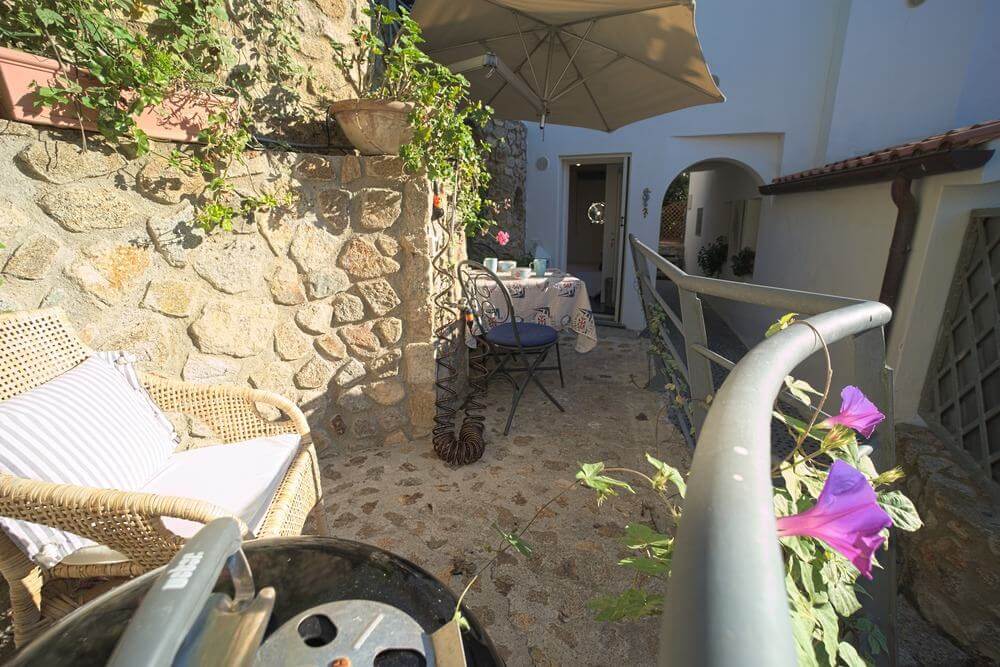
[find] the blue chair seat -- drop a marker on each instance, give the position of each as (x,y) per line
(532,335)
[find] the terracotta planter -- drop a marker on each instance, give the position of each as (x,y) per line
(374,127)
(179,118)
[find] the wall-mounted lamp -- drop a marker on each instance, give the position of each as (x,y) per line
(646,193)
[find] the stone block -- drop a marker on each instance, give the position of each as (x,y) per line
(347,308)
(419,362)
(231,264)
(204,369)
(61,162)
(331,347)
(277,230)
(166,184)
(350,373)
(172,297)
(284,282)
(354,400)
(389,330)
(360,340)
(387,392)
(362,259)
(313,374)
(272,376)
(175,235)
(82,207)
(420,407)
(312,249)
(106,271)
(236,328)
(314,168)
(385,166)
(289,341)
(378,208)
(350,169)
(33,259)
(385,366)
(333,207)
(379,295)
(314,318)
(148,336)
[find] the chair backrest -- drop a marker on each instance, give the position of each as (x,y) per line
(487,298)
(36,346)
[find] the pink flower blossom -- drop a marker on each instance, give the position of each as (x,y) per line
(856,412)
(846,517)
(503,238)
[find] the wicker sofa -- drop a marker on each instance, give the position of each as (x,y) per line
(38,346)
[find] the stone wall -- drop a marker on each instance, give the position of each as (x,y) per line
(951,566)
(507,164)
(326,301)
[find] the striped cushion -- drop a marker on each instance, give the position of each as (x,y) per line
(92,426)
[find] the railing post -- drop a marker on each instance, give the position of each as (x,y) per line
(874,378)
(699,368)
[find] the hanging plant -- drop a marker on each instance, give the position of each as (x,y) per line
(123,66)
(439,112)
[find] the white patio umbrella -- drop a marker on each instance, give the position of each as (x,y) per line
(600,64)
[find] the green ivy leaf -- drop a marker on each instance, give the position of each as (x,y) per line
(783,323)
(515,541)
(629,605)
(591,477)
(650,566)
(666,473)
(641,536)
(901,510)
(849,655)
(801,389)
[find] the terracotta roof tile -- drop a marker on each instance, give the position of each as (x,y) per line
(963,137)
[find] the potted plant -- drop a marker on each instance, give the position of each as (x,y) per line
(742,263)
(712,257)
(409,105)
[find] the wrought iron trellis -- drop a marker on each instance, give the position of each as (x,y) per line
(468,446)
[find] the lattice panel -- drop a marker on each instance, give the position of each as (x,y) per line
(673,218)
(963,391)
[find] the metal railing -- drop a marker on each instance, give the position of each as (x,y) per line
(726,602)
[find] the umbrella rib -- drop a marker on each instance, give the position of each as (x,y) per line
(569,62)
(590,93)
(433,52)
(527,56)
(517,70)
(579,82)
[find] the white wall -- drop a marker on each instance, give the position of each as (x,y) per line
(769,121)
(910,72)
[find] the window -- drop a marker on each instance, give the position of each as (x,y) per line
(699,217)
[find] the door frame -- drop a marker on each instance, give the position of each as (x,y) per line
(567,161)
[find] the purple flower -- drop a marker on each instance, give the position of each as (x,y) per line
(856,412)
(846,517)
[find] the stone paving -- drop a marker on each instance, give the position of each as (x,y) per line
(406,500)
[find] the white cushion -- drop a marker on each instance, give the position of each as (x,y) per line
(91,426)
(239,477)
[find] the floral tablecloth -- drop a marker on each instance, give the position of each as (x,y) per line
(559,300)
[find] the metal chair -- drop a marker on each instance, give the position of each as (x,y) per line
(517,346)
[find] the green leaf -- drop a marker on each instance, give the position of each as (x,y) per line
(629,605)
(590,475)
(802,633)
(901,510)
(801,389)
(849,655)
(803,547)
(48,17)
(515,541)
(783,323)
(667,473)
(830,628)
(653,567)
(641,536)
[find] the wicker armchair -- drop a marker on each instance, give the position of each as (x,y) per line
(37,346)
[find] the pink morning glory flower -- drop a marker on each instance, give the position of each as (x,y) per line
(856,412)
(503,238)
(846,517)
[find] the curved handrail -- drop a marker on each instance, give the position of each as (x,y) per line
(726,601)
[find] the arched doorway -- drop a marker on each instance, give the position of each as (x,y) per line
(709,219)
